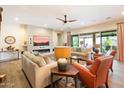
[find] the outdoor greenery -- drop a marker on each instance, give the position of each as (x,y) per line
(108,40)
(75,41)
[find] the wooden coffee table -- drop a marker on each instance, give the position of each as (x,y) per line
(71,71)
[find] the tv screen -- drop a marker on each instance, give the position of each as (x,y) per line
(40,40)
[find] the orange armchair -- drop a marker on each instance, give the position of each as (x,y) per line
(113,53)
(110,52)
(97,74)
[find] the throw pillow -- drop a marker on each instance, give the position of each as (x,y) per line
(26,53)
(39,61)
(30,56)
(47,59)
(36,53)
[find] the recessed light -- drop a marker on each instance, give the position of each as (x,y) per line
(16,19)
(122,13)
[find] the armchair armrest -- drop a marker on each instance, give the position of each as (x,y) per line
(89,62)
(85,75)
(97,55)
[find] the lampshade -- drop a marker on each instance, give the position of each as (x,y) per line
(62,52)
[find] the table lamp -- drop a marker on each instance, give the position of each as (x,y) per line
(62,53)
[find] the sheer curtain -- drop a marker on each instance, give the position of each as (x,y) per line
(120,32)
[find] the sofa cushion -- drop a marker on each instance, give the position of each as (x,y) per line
(47,59)
(26,53)
(39,61)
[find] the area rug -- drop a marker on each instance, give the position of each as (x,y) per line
(15,77)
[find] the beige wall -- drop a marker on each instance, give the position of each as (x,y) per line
(22,34)
(13,29)
(97,28)
(54,38)
(62,39)
(35,30)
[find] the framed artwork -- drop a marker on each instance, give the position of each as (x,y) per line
(10,40)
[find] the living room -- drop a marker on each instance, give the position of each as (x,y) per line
(49,30)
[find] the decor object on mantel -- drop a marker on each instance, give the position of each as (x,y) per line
(10,48)
(62,53)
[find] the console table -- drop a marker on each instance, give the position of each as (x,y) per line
(9,55)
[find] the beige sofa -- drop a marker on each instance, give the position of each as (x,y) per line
(38,77)
(84,53)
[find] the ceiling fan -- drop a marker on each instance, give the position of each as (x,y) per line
(65,20)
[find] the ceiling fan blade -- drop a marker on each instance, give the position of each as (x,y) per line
(60,19)
(72,20)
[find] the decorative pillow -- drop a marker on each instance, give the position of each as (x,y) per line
(36,53)
(26,53)
(39,61)
(30,56)
(47,59)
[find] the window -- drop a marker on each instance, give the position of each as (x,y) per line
(75,41)
(109,40)
(86,41)
(97,37)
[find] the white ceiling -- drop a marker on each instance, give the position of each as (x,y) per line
(45,15)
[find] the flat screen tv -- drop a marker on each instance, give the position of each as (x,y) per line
(40,40)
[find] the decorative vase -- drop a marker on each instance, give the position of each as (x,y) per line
(62,64)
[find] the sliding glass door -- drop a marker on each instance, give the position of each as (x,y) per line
(105,40)
(74,41)
(86,41)
(108,41)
